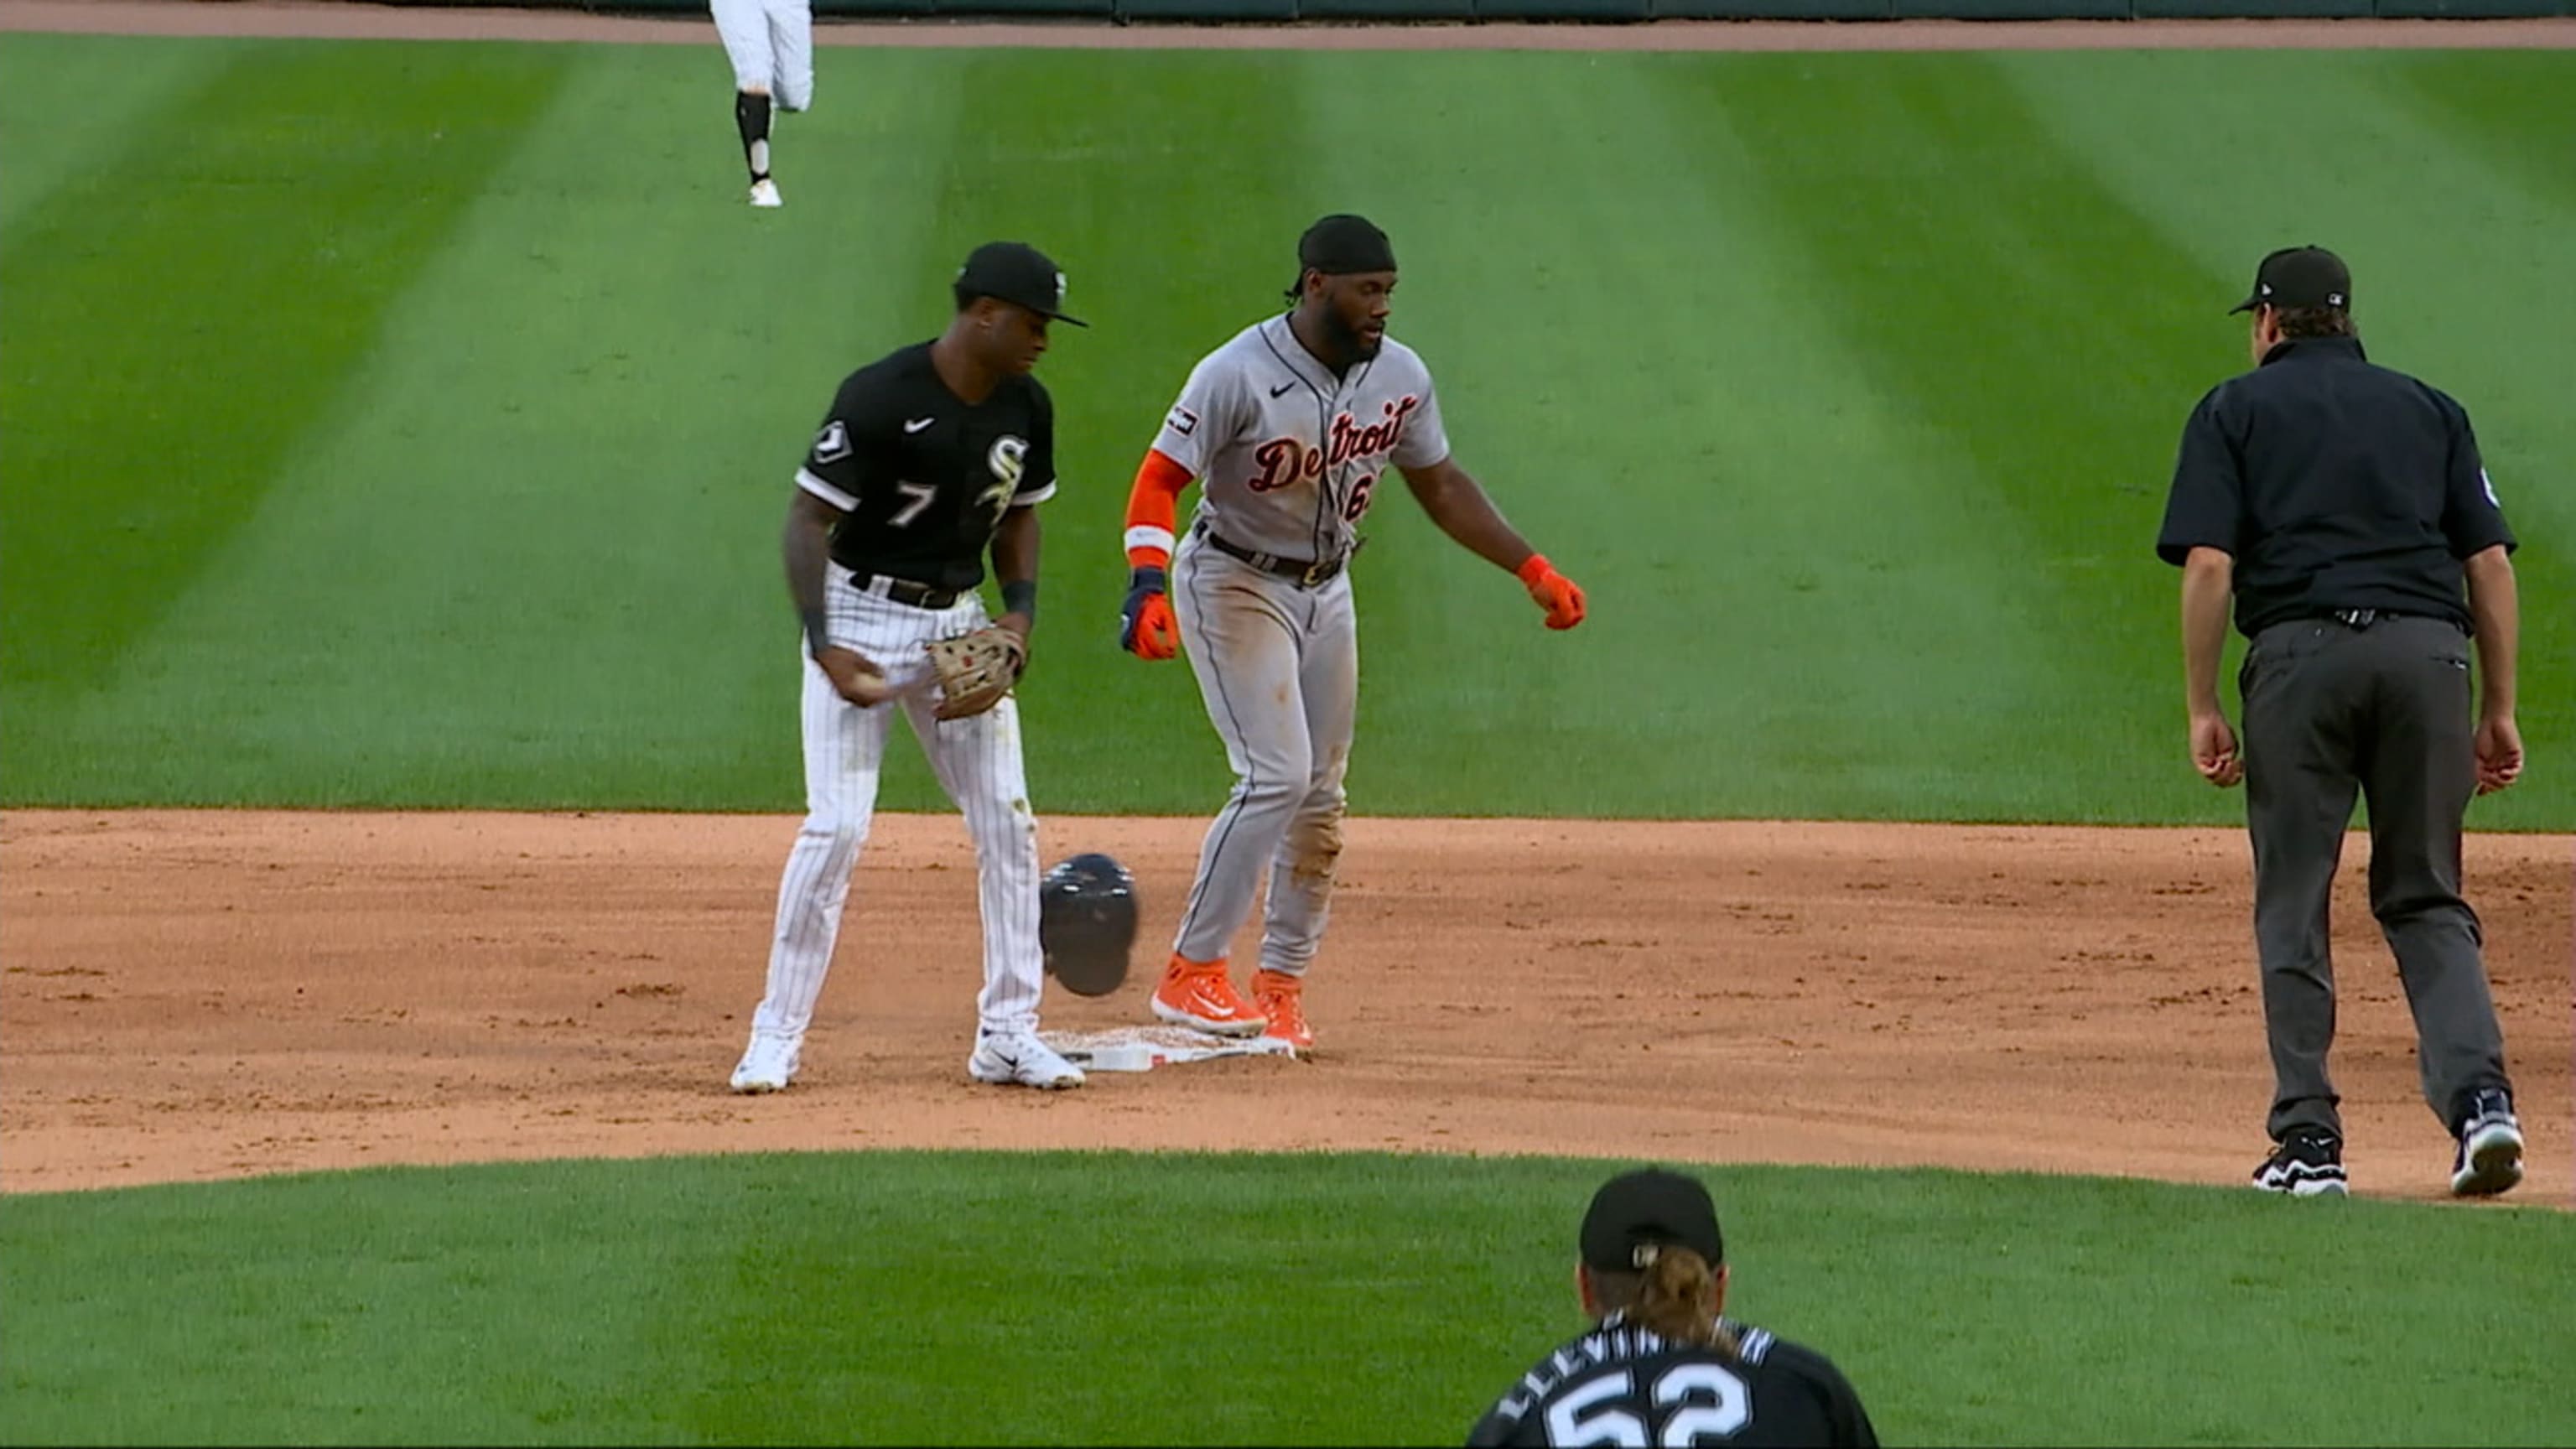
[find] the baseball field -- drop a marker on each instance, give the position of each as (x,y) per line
(400,737)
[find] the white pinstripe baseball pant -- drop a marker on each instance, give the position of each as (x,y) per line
(977,762)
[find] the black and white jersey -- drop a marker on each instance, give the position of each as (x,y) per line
(1620,1384)
(922,479)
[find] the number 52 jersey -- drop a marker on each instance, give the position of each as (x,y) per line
(1620,1384)
(1288,455)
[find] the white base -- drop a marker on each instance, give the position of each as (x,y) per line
(1143,1048)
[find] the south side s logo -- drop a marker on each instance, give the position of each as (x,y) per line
(1009,461)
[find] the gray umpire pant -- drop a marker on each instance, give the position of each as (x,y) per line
(2382,709)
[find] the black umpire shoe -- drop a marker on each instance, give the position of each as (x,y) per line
(2307,1164)
(2490,1155)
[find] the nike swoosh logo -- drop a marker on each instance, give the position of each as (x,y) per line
(918,424)
(1282,389)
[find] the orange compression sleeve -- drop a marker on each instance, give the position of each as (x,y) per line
(1152,507)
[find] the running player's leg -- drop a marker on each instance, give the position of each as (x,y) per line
(979,763)
(1301,877)
(744,27)
(791,40)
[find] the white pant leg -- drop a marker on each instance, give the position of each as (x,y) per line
(791,42)
(844,751)
(979,763)
(844,756)
(743,25)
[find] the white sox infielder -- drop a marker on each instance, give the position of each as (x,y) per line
(771,45)
(928,456)
(1291,426)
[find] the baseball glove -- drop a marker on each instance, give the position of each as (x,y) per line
(976,670)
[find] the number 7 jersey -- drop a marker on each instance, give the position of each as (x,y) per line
(922,478)
(1288,455)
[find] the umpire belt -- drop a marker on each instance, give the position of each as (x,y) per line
(2359,619)
(905,591)
(1302,572)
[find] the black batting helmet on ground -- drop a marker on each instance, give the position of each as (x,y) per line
(1087,923)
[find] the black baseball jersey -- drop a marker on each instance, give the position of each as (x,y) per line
(2334,484)
(1620,1384)
(922,479)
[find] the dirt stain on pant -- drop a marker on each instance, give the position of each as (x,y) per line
(1315,848)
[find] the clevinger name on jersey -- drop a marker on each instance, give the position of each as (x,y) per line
(1289,455)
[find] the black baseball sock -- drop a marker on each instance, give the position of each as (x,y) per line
(751,117)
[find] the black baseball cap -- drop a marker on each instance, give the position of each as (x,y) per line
(1019,274)
(1649,1208)
(2299,277)
(1343,243)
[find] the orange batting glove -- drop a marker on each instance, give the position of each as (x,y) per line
(1146,627)
(1553,592)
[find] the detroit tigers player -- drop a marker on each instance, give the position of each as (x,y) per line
(928,456)
(1290,427)
(771,44)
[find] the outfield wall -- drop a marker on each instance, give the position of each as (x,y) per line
(1122,11)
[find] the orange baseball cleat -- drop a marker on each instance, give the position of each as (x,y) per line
(1199,994)
(1281,997)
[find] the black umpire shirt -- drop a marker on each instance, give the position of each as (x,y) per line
(921,478)
(2335,484)
(1620,1384)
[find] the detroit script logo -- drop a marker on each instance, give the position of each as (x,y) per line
(1287,461)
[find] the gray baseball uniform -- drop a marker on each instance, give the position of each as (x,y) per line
(1289,457)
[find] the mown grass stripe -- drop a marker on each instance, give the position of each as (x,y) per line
(2439,217)
(1241,1298)
(179,317)
(70,104)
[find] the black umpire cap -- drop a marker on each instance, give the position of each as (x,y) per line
(1637,1212)
(2299,277)
(1019,274)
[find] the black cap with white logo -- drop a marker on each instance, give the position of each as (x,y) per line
(1638,1213)
(2299,277)
(1019,274)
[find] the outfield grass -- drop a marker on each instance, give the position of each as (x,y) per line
(408,424)
(1101,1298)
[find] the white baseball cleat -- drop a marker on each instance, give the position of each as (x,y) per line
(764,192)
(1019,1059)
(768,1065)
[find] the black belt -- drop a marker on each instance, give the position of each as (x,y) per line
(905,591)
(1306,573)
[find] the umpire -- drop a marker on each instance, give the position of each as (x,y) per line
(2344,506)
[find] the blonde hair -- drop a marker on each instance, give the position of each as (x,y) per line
(1668,1296)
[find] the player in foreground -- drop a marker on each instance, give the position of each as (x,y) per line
(1661,1365)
